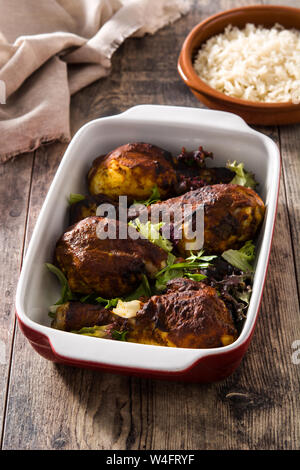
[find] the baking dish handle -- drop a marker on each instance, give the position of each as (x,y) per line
(173,114)
(70,347)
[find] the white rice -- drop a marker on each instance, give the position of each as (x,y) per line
(254,63)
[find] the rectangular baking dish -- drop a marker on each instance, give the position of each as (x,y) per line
(228,137)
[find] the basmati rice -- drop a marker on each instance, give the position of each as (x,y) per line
(254,63)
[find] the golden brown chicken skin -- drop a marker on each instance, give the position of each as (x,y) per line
(232,214)
(189,315)
(108,267)
(132,170)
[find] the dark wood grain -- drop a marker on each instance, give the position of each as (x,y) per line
(58,407)
(15,181)
(290,144)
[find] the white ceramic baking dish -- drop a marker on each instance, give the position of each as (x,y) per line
(228,137)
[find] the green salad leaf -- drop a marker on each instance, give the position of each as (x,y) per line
(244,295)
(119,335)
(96,299)
(143,290)
(164,278)
(155,197)
(151,232)
(185,265)
(108,302)
(52,311)
(195,277)
(73,198)
(166,275)
(101,332)
(66,293)
(182,269)
(242,259)
(96,331)
(242,177)
(199,257)
(88,299)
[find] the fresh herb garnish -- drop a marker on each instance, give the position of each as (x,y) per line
(242,259)
(199,257)
(184,265)
(155,197)
(73,198)
(194,261)
(165,277)
(174,270)
(242,177)
(66,293)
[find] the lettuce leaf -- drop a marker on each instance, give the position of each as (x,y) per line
(96,331)
(165,277)
(66,293)
(96,299)
(155,197)
(108,302)
(119,335)
(195,277)
(101,332)
(175,270)
(242,259)
(242,177)
(144,290)
(151,232)
(73,198)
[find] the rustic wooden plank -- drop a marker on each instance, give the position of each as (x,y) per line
(15,180)
(57,407)
(290,142)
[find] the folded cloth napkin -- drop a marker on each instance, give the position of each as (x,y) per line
(50,49)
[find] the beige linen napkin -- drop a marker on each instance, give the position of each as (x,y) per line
(50,49)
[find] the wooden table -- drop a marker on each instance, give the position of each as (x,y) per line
(47,406)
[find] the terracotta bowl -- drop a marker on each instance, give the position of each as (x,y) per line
(252,111)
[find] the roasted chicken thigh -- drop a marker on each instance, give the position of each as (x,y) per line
(189,315)
(232,215)
(75,315)
(110,267)
(132,170)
